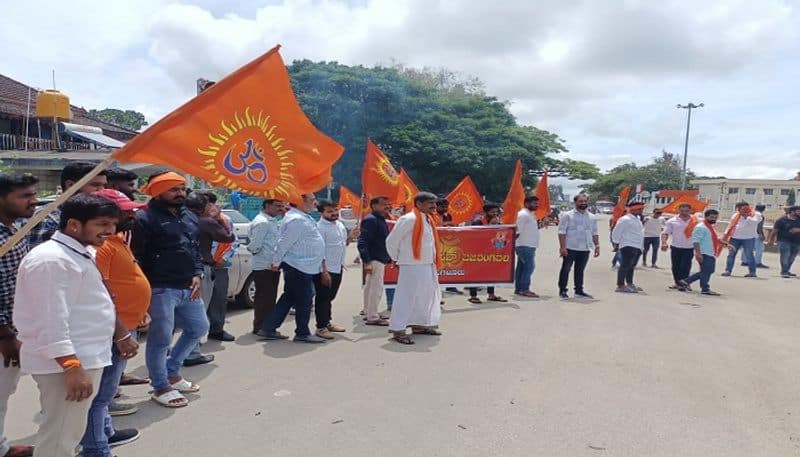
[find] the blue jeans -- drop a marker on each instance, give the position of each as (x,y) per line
(98,427)
(704,275)
(171,308)
(616,259)
(389,298)
(747,246)
(758,255)
(298,293)
(788,252)
(526,263)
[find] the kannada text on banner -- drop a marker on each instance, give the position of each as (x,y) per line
(472,255)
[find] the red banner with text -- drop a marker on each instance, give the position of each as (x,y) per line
(472,256)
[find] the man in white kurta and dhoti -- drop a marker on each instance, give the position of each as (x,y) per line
(412,244)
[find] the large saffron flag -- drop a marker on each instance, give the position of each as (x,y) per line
(543,193)
(246,132)
(619,208)
(515,199)
(348,198)
(378,177)
(465,201)
(698,206)
(406,190)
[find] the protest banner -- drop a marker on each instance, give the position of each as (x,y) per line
(472,256)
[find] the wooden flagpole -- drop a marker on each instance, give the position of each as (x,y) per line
(41,214)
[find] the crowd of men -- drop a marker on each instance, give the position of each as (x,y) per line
(103,267)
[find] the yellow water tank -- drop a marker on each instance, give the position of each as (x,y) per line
(51,103)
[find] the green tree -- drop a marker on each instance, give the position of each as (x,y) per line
(663,173)
(130,119)
(438,125)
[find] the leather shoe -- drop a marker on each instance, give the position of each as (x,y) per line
(205,358)
(221,336)
(336,328)
(20,451)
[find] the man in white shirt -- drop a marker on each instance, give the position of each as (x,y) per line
(264,234)
(577,236)
(741,234)
(66,321)
(527,242)
(681,247)
(653,226)
(412,244)
(628,240)
(326,284)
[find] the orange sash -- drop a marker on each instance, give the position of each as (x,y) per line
(223,248)
(714,238)
(416,237)
(731,227)
(690,226)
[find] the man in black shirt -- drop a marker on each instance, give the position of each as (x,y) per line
(374,257)
(787,231)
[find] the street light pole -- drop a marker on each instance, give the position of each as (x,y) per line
(687,107)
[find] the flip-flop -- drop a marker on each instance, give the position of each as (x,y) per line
(474,300)
(425,331)
(379,323)
(167,397)
(403,339)
(497,299)
(130,380)
(183,386)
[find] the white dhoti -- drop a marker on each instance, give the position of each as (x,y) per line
(417,298)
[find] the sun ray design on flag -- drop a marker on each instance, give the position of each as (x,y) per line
(461,203)
(386,171)
(249,146)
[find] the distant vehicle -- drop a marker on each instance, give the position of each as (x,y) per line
(604,207)
(241,285)
(348,218)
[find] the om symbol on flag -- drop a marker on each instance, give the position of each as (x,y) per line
(249,162)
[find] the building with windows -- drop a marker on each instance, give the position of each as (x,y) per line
(725,193)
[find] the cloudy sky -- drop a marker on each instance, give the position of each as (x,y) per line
(604,75)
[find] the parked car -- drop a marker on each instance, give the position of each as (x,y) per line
(241,286)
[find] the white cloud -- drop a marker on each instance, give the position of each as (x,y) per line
(604,75)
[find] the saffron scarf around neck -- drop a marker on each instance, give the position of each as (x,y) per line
(416,237)
(690,226)
(714,238)
(732,226)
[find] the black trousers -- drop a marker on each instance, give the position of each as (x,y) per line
(323,301)
(473,291)
(627,264)
(266,294)
(218,305)
(579,259)
(681,262)
(651,242)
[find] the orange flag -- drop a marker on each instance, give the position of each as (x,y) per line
(348,198)
(619,208)
(516,196)
(378,177)
(465,201)
(698,206)
(246,132)
(543,193)
(406,190)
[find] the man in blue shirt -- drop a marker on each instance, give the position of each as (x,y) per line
(706,247)
(299,253)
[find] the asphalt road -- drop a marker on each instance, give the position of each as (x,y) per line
(657,374)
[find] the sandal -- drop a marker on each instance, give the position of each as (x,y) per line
(403,339)
(183,386)
(168,399)
(497,299)
(131,380)
(474,300)
(379,322)
(425,331)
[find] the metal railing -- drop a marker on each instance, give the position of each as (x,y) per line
(9,142)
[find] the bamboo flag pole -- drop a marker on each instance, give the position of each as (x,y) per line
(41,214)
